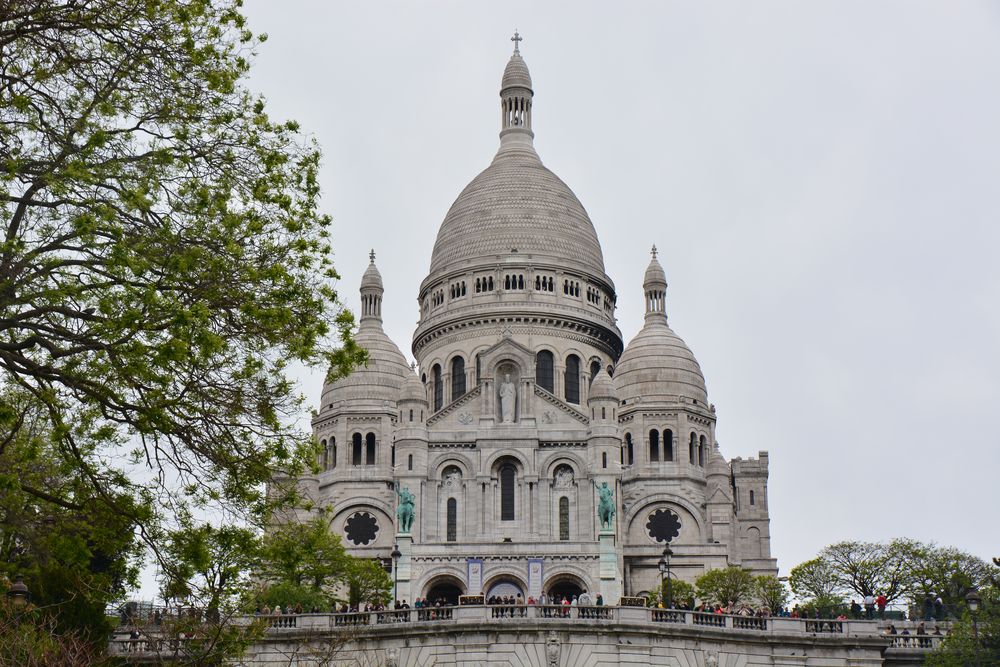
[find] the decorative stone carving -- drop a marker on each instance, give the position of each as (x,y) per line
(552,650)
(465,418)
(711,659)
(548,417)
(391,658)
(563,478)
(452,478)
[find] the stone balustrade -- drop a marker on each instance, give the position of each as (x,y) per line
(475,617)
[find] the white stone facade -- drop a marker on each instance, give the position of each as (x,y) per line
(517,304)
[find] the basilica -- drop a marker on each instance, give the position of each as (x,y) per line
(529,449)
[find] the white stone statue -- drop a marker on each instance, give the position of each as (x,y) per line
(508,395)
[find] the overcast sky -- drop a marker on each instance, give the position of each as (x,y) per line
(821,178)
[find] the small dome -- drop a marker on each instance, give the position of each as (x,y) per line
(516,74)
(371,279)
(413,390)
(659,367)
(376,383)
(602,388)
(655,276)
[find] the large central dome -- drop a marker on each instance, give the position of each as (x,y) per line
(516,205)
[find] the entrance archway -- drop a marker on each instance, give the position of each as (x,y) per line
(444,589)
(505,588)
(564,586)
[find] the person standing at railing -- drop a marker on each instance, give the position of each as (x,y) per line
(870,606)
(881,601)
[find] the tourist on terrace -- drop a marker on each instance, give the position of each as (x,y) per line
(855,609)
(870,606)
(938,609)
(881,601)
(891,630)
(600,601)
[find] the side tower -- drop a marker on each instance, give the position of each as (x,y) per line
(356,426)
(669,485)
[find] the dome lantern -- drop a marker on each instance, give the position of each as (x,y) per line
(515,98)
(655,286)
(371,292)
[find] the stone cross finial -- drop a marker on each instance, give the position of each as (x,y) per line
(516,38)
(653,251)
(371,256)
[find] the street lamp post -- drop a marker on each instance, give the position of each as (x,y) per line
(972,599)
(395,573)
(667,553)
(662,564)
(18,593)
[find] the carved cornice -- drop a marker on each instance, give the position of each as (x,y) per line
(572,412)
(545,445)
(454,405)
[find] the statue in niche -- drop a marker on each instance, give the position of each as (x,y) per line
(508,400)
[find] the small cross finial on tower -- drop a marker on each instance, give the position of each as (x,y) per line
(371,256)
(516,39)
(653,251)
(413,366)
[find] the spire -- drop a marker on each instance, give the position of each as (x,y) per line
(654,284)
(371,293)
(515,98)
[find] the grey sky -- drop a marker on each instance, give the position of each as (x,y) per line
(821,179)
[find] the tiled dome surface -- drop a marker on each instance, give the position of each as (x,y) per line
(379,381)
(517,203)
(658,366)
(516,73)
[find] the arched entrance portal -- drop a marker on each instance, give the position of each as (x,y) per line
(504,588)
(444,590)
(564,587)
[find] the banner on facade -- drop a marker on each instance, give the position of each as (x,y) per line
(535,577)
(474,576)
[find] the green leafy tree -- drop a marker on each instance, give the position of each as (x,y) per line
(816,581)
(964,646)
(306,554)
(725,585)
(873,568)
(770,592)
(162,259)
(949,573)
(681,593)
(210,566)
(367,581)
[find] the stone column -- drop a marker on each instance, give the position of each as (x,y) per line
(405,543)
(611,579)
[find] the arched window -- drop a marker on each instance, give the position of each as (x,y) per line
(409,461)
(692,455)
(356,450)
(370,449)
(654,445)
(438,387)
(457,378)
(629,455)
(701,453)
(544,371)
(595,368)
(572,379)
(668,445)
(333,452)
(564,518)
(452,520)
(508,475)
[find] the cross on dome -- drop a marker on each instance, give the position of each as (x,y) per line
(371,256)
(516,38)
(653,251)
